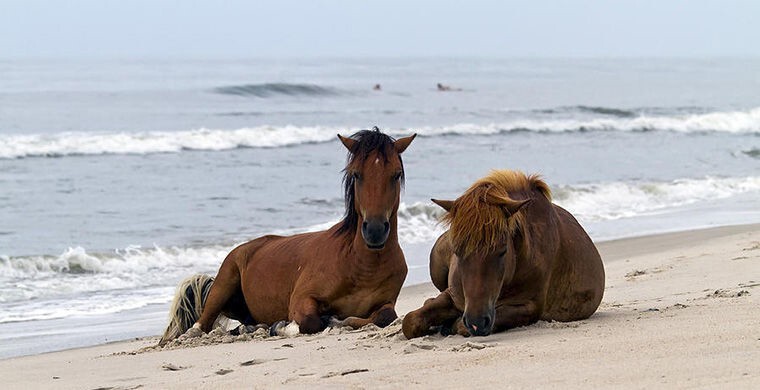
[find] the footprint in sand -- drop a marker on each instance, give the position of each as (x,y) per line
(721,293)
(344,373)
(417,347)
(637,272)
(470,346)
(633,274)
(253,362)
(173,367)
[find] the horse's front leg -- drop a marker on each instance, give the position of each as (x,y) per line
(511,314)
(381,317)
(305,312)
(436,311)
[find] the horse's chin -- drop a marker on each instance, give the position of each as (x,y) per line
(376,247)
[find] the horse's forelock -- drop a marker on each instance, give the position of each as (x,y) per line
(476,223)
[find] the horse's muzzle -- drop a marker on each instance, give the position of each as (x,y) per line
(375,233)
(479,326)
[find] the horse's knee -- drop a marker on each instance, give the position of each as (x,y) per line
(414,325)
(310,324)
(384,317)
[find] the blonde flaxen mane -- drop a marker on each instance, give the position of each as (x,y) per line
(478,221)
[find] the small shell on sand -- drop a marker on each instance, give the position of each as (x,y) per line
(290,330)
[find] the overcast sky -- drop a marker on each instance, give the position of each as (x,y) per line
(392,28)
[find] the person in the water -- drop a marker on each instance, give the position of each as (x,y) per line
(444,88)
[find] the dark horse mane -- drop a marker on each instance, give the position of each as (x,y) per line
(368,141)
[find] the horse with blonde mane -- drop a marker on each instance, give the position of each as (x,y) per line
(510,258)
(353,271)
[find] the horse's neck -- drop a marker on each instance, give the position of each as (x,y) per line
(521,241)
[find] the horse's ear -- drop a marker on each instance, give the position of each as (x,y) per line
(510,205)
(513,206)
(402,143)
(445,204)
(349,143)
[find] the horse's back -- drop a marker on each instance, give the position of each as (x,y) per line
(577,279)
(244,253)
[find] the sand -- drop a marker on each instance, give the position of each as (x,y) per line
(680,310)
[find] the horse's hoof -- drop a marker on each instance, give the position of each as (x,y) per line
(325,320)
(245,329)
(276,327)
(331,322)
(192,333)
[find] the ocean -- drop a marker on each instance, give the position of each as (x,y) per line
(118,178)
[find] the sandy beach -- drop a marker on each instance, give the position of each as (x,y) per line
(680,310)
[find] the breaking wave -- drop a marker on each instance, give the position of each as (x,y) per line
(79,143)
(616,112)
(724,122)
(77,282)
(754,152)
(615,200)
(274,89)
(73,143)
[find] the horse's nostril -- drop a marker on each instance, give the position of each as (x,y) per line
(486,322)
(364,225)
(387,226)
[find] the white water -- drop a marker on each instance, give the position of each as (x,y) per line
(615,200)
(81,283)
(146,142)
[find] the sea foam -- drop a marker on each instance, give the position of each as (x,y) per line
(615,200)
(80,143)
(74,143)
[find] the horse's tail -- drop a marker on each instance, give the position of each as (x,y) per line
(187,306)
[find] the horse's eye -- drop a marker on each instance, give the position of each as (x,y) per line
(502,253)
(397,176)
(357,176)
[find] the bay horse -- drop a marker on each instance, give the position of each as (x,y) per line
(353,271)
(510,258)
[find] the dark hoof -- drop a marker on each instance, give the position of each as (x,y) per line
(331,322)
(447,331)
(277,326)
(325,320)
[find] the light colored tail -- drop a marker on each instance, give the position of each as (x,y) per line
(187,306)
